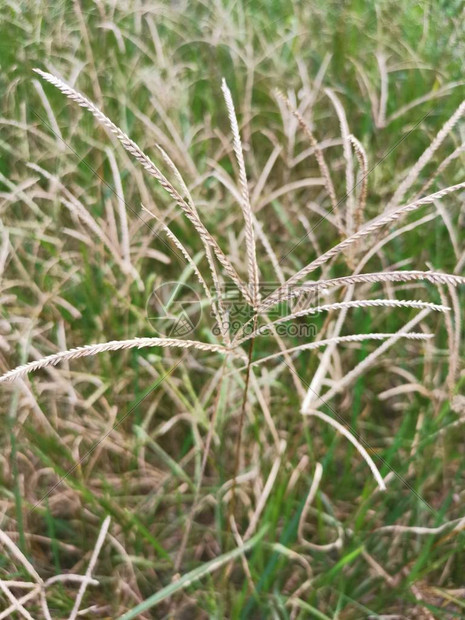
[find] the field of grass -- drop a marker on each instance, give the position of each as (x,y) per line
(288,442)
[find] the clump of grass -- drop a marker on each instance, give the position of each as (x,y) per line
(282,292)
(251,289)
(221,468)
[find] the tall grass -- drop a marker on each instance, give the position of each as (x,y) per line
(245,471)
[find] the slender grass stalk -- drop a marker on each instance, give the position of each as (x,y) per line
(206,453)
(365,231)
(152,169)
(113,345)
(248,371)
(245,202)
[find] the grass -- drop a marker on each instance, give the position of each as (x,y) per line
(209,476)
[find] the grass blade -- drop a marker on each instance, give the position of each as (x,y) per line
(192,576)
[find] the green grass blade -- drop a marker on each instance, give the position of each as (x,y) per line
(189,578)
